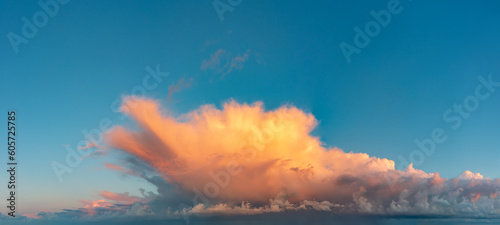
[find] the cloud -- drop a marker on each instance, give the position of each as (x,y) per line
(214,62)
(242,155)
(92,149)
(112,206)
(178,87)
(114,167)
(245,160)
(252,154)
(237,62)
(222,62)
(32,215)
(124,198)
(468,175)
(90,145)
(91,207)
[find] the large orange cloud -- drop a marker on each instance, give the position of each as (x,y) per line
(243,153)
(251,154)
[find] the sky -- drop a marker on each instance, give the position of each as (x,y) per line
(170,87)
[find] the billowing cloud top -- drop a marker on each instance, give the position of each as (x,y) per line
(249,154)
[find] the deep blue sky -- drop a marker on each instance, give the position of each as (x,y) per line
(395,90)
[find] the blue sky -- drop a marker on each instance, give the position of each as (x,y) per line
(395,90)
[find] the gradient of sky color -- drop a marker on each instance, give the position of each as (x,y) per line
(90,53)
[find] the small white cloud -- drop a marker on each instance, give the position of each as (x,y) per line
(468,175)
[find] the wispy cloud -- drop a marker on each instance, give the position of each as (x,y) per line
(237,62)
(124,198)
(181,84)
(114,167)
(223,62)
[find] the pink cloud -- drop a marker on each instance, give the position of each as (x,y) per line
(91,206)
(468,175)
(125,198)
(31,215)
(114,167)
